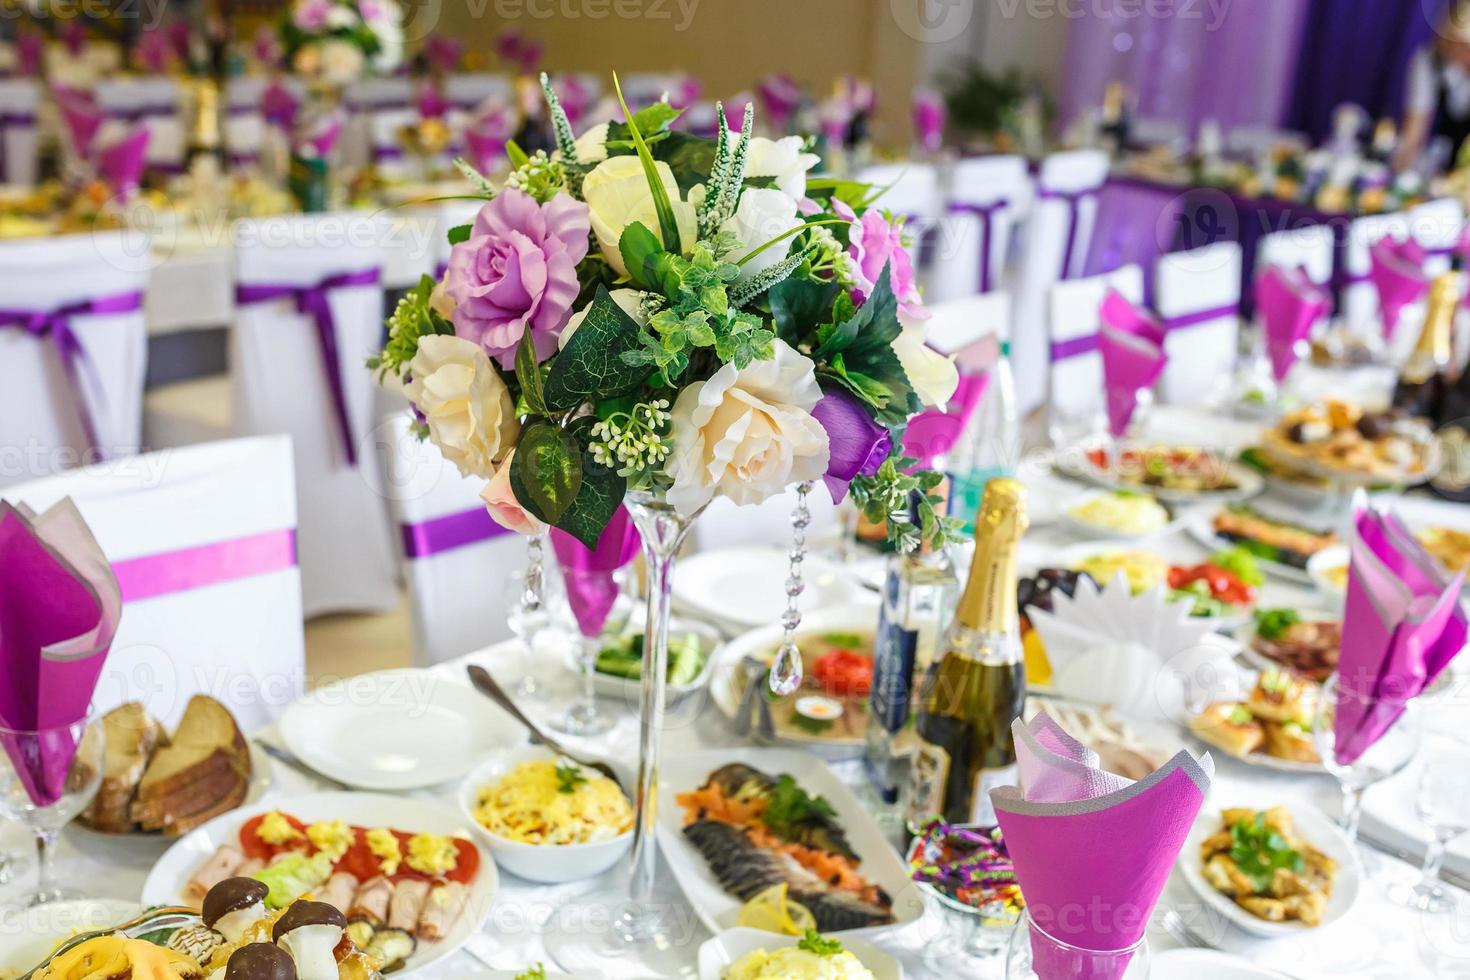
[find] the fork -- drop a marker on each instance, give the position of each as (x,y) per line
(1175,926)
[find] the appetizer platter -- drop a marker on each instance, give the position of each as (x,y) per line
(692,647)
(156,782)
(387,730)
(1222,589)
(404,871)
(32,934)
(731,831)
(1281,547)
(1271,728)
(1271,871)
(750,954)
(1175,474)
(1286,481)
(1340,442)
(547,818)
(1118,514)
(1304,641)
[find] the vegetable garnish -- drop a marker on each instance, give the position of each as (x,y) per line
(1241,563)
(537,972)
(813,942)
(790,807)
(568,778)
(1258,851)
(1271,623)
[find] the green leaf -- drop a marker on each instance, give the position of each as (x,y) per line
(602,491)
(641,249)
(798,305)
(688,156)
(651,120)
(459,233)
(515,154)
(528,373)
(668,226)
(787,234)
(547,473)
(592,366)
(872,327)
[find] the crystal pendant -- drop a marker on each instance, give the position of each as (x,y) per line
(786,668)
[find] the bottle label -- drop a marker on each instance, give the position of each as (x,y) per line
(895,651)
(928,775)
(982,812)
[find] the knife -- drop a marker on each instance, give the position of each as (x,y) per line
(288,759)
(1408,856)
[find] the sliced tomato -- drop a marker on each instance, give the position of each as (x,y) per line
(1224,584)
(254,847)
(844,672)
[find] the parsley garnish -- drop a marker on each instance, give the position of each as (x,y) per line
(790,807)
(1258,851)
(813,942)
(537,972)
(1272,623)
(568,778)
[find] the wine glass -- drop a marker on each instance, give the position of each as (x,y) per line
(47,777)
(1035,954)
(1388,756)
(582,717)
(1443,803)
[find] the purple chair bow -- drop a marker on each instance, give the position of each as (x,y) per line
(315,301)
(1073,201)
(986,213)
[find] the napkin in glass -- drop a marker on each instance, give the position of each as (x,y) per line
(120,163)
(59,611)
(1396,269)
(1401,627)
(1092,850)
(1131,363)
(1290,304)
(929,118)
(1117,312)
(591,586)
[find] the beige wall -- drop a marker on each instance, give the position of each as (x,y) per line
(727,44)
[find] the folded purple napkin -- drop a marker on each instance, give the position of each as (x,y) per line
(1290,305)
(588,572)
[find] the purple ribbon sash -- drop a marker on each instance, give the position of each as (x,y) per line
(985,212)
(56,324)
(204,565)
(440,534)
(315,301)
(1073,200)
(1186,320)
(1062,350)
(133,114)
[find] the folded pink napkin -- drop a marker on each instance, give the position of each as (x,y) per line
(443,52)
(74,35)
(59,610)
(279,105)
(1131,364)
(81,117)
(485,137)
(321,138)
(929,117)
(1290,305)
(1397,272)
(1116,311)
(432,102)
(153,51)
(1401,627)
(780,95)
(30,49)
(1092,850)
(588,572)
(120,163)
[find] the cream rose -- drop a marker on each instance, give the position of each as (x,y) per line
(592,145)
(932,374)
(342,61)
(747,435)
(782,160)
(504,508)
(617,194)
(468,408)
(631,302)
(761,215)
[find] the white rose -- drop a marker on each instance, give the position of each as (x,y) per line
(468,408)
(341,60)
(747,435)
(932,374)
(762,214)
(592,145)
(341,18)
(617,194)
(783,160)
(631,302)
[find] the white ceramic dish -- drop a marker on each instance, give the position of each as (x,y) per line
(1206,964)
(1200,526)
(746,587)
(389,730)
(29,935)
(1323,562)
(717,908)
(166,882)
(717,954)
(546,863)
(1311,826)
(262,775)
(627,691)
(1076,525)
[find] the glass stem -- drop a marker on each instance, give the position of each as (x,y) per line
(1352,809)
(45,866)
(591,646)
(1433,860)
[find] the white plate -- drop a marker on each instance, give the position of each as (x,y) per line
(1074,463)
(166,882)
(262,774)
(627,692)
(389,730)
(717,908)
(1201,527)
(1321,563)
(29,935)
(1206,964)
(1311,826)
(746,587)
(717,954)
(1088,530)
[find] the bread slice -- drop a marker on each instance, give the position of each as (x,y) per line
(204,769)
(132,736)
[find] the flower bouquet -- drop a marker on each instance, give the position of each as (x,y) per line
(650,316)
(336,41)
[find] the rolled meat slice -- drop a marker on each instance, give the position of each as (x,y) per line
(223,864)
(443,906)
(248,869)
(338,891)
(371,901)
(408,902)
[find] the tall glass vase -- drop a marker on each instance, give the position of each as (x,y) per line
(638,929)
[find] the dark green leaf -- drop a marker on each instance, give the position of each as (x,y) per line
(799,304)
(547,474)
(528,373)
(688,156)
(641,249)
(459,233)
(668,226)
(592,366)
(650,120)
(602,491)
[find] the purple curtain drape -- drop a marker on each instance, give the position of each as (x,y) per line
(1358,51)
(1231,61)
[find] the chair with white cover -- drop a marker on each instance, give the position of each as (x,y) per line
(242,128)
(912,193)
(956,327)
(1359,298)
(20,140)
(309,311)
(1077,394)
(458,562)
(986,198)
(1056,239)
(202,543)
(1311,248)
(156,102)
(467,90)
(75,351)
(381,107)
(1197,297)
(1437,226)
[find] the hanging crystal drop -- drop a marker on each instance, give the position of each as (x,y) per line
(786,668)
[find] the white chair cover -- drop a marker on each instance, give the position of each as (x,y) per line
(282,383)
(458,562)
(1437,226)
(956,326)
(91,287)
(1359,298)
(96,60)
(20,140)
(1057,237)
(913,193)
(1076,372)
(157,102)
(1310,248)
(201,541)
(381,107)
(466,90)
(1197,296)
(987,196)
(243,127)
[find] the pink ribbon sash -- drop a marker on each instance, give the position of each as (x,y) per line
(204,565)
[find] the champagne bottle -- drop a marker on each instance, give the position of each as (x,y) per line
(977,686)
(1421,386)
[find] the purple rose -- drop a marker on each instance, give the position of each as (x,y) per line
(874,243)
(858,444)
(516,272)
(311,15)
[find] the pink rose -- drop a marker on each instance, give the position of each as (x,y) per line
(518,271)
(504,508)
(311,15)
(874,242)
